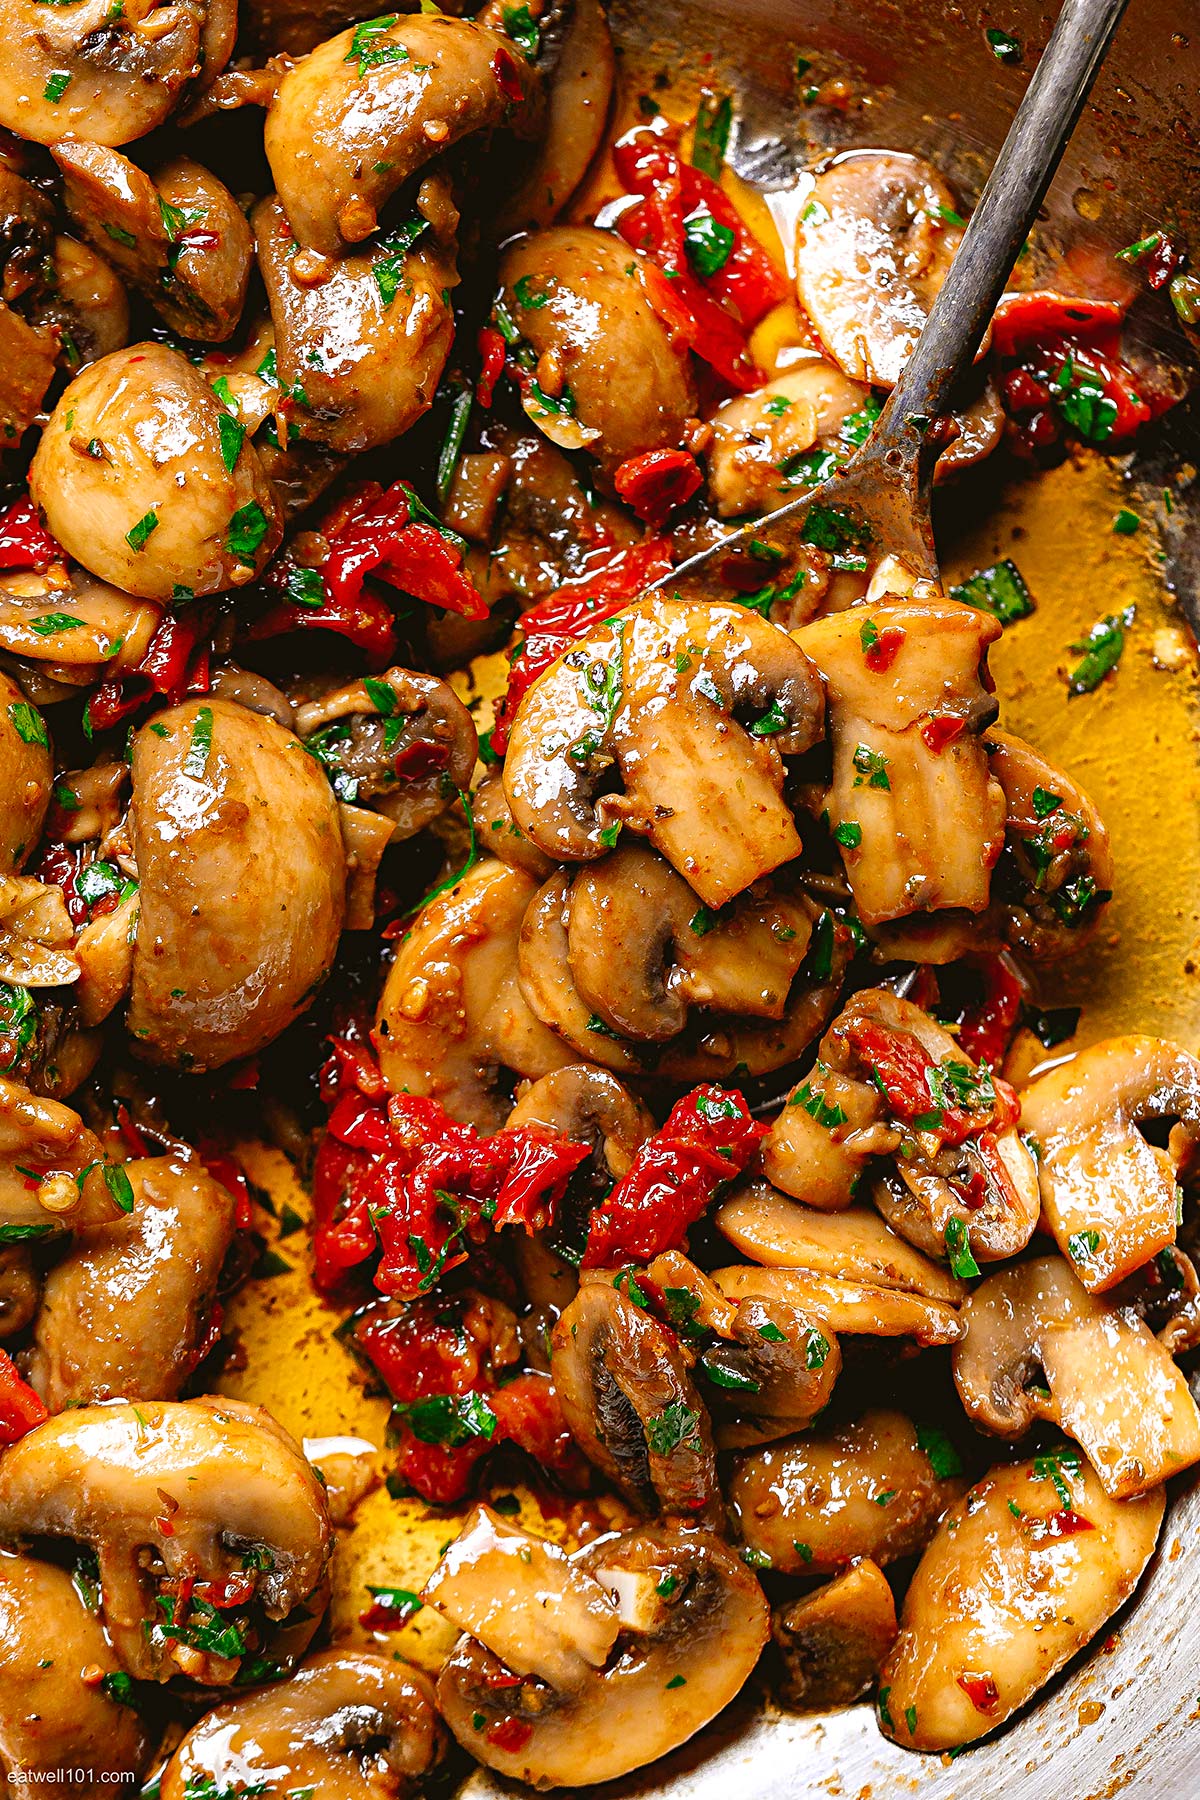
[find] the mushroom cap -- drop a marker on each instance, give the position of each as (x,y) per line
(1003,1597)
(630,1404)
(832,1642)
(242,880)
(221,1474)
(1100,1374)
(347,1723)
(452,1012)
(694,1622)
(1108,1194)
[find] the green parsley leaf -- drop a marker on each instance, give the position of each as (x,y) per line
(872,768)
(305,587)
(999,590)
(28,723)
(196,760)
(56,86)
(675,1425)
(368,51)
(1004,47)
(710,137)
(450,1420)
(388,265)
(1125,523)
(49,624)
(958,1249)
(1083,1245)
(1045,803)
(708,244)
(943,1458)
(247,529)
(137,534)
(848,834)
(1102,649)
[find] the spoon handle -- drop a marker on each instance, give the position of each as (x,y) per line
(1007,209)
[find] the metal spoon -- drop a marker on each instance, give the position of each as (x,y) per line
(881,496)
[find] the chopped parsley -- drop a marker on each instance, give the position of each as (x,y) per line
(710,137)
(388,265)
(1004,47)
(708,243)
(28,723)
(1083,1245)
(872,768)
(816,1106)
(305,587)
(49,624)
(1059,1466)
(1101,649)
(247,529)
(450,1420)
(672,1428)
(943,1458)
(1083,403)
(57,83)
(848,834)
(137,535)
(523,29)
(958,1250)
(196,760)
(367,48)
(999,589)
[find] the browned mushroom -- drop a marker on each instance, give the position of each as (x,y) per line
(693,705)
(1109,1195)
(873,246)
(629,1402)
(833,1642)
(873,1488)
(688,1623)
(1006,1593)
(181,238)
(1055,877)
(577,298)
(913,806)
(849,1308)
(1039,1346)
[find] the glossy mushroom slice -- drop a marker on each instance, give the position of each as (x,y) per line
(1023,1571)
(913,805)
(961,1180)
(52,1167)
(500,832)
(1055,877)
(714,1043)
(26,772)
(403,739)
(1039,1346)
(850,1308)
(27,360)
(833,1642)
(1108,1193)
(576,114)
(366,344)
(689,1622)
(855,1245)
(771,445)
(771,1372)
(125,72)
(873,246)
(87,303)
(125,1310)
(365,110)
(20,1290)
(694,705)
(346,1723)
(452,1013)
(872,1488)
(181,237)
(73,633)
(242,880)
(209,1490)
(139,482)
(629,1402)
(60,1707)
(577,299)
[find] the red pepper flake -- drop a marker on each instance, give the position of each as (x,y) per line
(492,351)
(881,652)
(986,1030)
(507,71)
(510,1734)
(981,1691)
(1066,1522)
(940,729)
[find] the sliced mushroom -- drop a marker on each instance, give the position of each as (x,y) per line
(59,1713)
(822,1140)
(87,304)
(630,1404)
(140,484)
(365,110)
(1023,1571)
(242,872)
(1108,1194)
(774,1370)
(855,1245)
(873,246)
(913,806)
(126,1308)
(832,1643)
(405,756)
(1056,875)
(104,951)
(27,360)
(692,1624)
(20,1291)
(1039,1346)
(125,71)
(181,237)
(452,1013)
(850,1308)
(609,375)
(773,444)
(973,1189)
(714,1045)
(346,1723)
(51,1166)
(500,832)
(694,705)
(35,934)
(642,953)
(587,1105)
(366,345)
(206,1490)
(75,631)
(26,771)
(815,1503)
(576,114)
